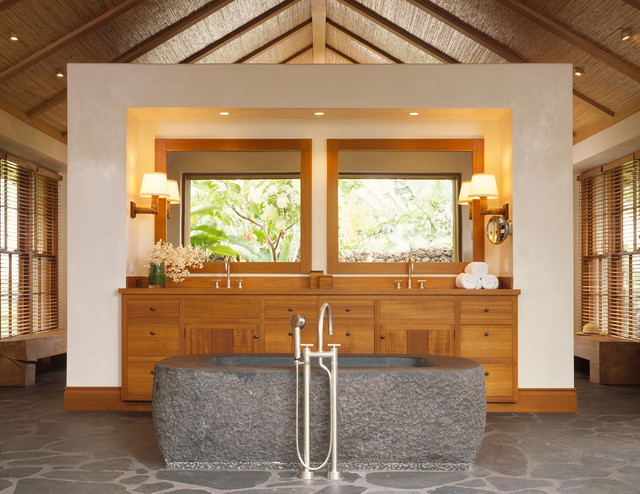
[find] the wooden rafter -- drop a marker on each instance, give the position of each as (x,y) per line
(633,3)
(353,36)
(297,54)
(489,43)
(274,41)
(319,18)
(467,29)
(236,33)
(68,38)
(37,124)
(147,45)
(399,31)
(574,39)
(7,3)
(342,55)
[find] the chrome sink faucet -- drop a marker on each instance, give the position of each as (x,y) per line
(227,268)
(410,263)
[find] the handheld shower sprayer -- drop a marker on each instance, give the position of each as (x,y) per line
(297,323)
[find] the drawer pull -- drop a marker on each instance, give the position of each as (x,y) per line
(486,373)
(153,372)
(486,309)
(152,309)
(255,336)
(290,309)
(382,337)
(348,309)
(486,333)
(290,333)
(348,333)
(152,333)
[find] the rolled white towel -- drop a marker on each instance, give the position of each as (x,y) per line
(479,269)
(489,282)
(467,281)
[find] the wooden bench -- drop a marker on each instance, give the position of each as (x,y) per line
(612,360)
(19,354)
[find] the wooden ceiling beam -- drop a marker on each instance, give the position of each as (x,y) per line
(274,41)
(319,18)
(399,31)
(593,103)
(236,33)
(146,46)
(572,38)
(7,3)
(297,54)
(467,29)
(68,38)
(633,3)
(47,129)
(342,55)
(602,124)
(354,37)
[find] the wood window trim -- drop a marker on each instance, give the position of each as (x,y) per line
(163,146)
(334,146)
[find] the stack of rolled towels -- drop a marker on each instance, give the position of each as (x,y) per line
(476,276)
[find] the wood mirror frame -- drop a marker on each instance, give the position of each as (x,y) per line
(334,146)
(163,146)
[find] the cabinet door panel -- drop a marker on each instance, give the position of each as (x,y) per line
(139,379)
(498,380)
(278,337)
(352,338)
(432,340)
(220,339)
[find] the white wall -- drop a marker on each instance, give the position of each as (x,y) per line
(539,97)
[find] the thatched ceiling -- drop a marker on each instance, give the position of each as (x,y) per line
(585,33)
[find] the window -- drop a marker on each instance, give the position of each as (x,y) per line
(246,198)
(391,199)
(609,247)
(250,218)
(29,206)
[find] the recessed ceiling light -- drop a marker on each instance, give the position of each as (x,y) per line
(60,73)
(578,72)
(413,113)
(319,113)
(224,113)
(625,34)
(14,37)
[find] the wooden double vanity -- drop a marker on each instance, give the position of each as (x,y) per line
(160,323)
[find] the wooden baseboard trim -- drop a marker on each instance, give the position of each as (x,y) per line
(540,401)
(79,398)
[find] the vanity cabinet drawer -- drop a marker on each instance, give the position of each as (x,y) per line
(498,379)
(350,309)
(428,309)
(477,309)
(487,342)
(278,337)
(219,308)
(153,309)
(153,339)
(285,307)
(355,338)
(139,379)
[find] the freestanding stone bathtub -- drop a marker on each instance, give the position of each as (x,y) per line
(394,412)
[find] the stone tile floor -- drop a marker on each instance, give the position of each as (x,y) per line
(46,450)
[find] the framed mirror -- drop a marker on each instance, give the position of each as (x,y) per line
(391,199)
(249,199)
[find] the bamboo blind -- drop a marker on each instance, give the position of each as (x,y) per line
(29,238)
(610,248)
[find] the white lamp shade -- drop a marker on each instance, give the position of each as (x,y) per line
(483,185)
(463,198)
(174,192)
(154,184)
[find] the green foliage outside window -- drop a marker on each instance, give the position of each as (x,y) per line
(256,219)
(395,215)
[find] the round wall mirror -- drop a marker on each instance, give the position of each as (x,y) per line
(498,229)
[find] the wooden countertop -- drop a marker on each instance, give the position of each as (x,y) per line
(316,291)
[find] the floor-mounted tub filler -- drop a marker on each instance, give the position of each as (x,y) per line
(389,412)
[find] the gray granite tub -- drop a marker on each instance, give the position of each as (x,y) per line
(394,412)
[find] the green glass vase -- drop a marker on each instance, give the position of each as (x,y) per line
(157,276)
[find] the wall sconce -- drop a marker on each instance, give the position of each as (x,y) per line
(483,187)
(154,185)
(174,195)
(463,198)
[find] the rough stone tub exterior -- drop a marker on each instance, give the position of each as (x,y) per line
(394,412)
